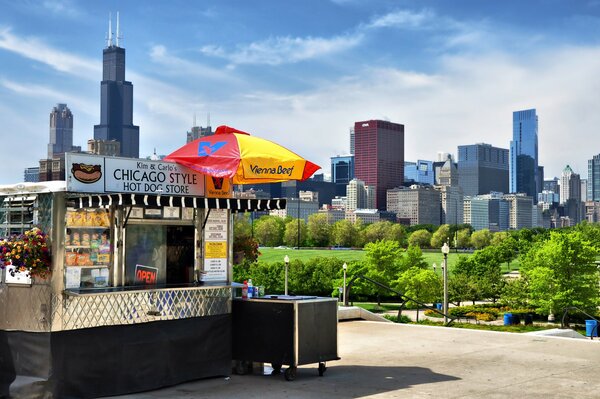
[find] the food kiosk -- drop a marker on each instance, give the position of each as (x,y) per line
(139,294)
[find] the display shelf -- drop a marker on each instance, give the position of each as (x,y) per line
(89,227)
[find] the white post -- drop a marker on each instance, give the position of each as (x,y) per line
(345,267)
(286,259)
(445,250)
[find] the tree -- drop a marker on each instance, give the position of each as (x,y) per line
(422,285)
(441,235)
(481,238)
(343,233)
(463,238)
(396,232)
(420,238)
(268,230)
(514,293)
(561,273)
(290,236)
(319,230)
(462,288)
(506,245)
(413,258)
(383,263)
(484,272)
(377,231)
(242,227)
(245,247)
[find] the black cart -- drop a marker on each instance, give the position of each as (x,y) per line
(285,330)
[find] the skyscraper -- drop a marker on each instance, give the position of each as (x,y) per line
(524,171)
(342,171)
(61,131)
(379,156)
(420,172)
(482,169)
(198,131)
(447,174)
(593,179)
(570,195)
(116,100)
(61,141)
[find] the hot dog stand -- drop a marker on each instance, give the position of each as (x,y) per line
(140,292)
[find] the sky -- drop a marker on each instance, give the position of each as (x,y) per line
(302,72)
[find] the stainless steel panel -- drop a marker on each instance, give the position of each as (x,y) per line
(27,308)
(133,307)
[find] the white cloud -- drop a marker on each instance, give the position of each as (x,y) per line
(62,8)
(179,66)
(284,50)
(469,99)
(52,94)
(404,19)
(37,50)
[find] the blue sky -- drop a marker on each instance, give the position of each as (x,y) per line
(302,72)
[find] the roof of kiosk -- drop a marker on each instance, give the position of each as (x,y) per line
(83,200)
(33,188)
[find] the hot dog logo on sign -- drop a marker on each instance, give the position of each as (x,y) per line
(85,173)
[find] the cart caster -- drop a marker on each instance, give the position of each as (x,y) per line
(290,373)
(276,369)
(241,367)
(322,369)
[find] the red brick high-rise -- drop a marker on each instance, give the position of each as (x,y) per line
(379,156)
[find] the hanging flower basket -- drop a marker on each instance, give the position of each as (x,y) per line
(27,252)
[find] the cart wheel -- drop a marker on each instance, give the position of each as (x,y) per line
(290,373)
(276,368)
(241,367)
(322,369)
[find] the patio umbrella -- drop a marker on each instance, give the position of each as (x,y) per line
(231,153)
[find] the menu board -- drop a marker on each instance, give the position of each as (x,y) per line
(215,245)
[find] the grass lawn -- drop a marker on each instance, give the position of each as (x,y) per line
(270,255)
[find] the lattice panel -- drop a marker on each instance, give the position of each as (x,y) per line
(116,308)
(44,212)
(27,308)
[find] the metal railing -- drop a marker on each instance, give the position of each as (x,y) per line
(565,313)
(404,298)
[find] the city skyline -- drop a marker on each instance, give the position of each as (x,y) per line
(451,73)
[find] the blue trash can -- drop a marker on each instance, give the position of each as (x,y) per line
(438,306)
(508,319)
(591,328)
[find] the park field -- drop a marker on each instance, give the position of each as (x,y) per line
(272,255)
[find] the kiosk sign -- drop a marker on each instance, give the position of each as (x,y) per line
(98,174)
(146,275)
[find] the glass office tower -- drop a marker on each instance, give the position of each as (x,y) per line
(524,170)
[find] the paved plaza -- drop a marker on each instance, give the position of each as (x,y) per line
(385,360)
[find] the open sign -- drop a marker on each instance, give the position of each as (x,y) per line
(146,275)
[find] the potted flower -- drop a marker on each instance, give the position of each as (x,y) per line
(27,253)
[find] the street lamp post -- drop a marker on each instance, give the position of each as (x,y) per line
(286,259)
(445,251)
(345,267)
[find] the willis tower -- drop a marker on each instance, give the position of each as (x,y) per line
(116,102)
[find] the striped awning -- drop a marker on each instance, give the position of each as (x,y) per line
(234,204)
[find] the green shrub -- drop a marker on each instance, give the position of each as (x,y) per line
(403,319)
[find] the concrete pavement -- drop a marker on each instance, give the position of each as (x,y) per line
(385,360)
